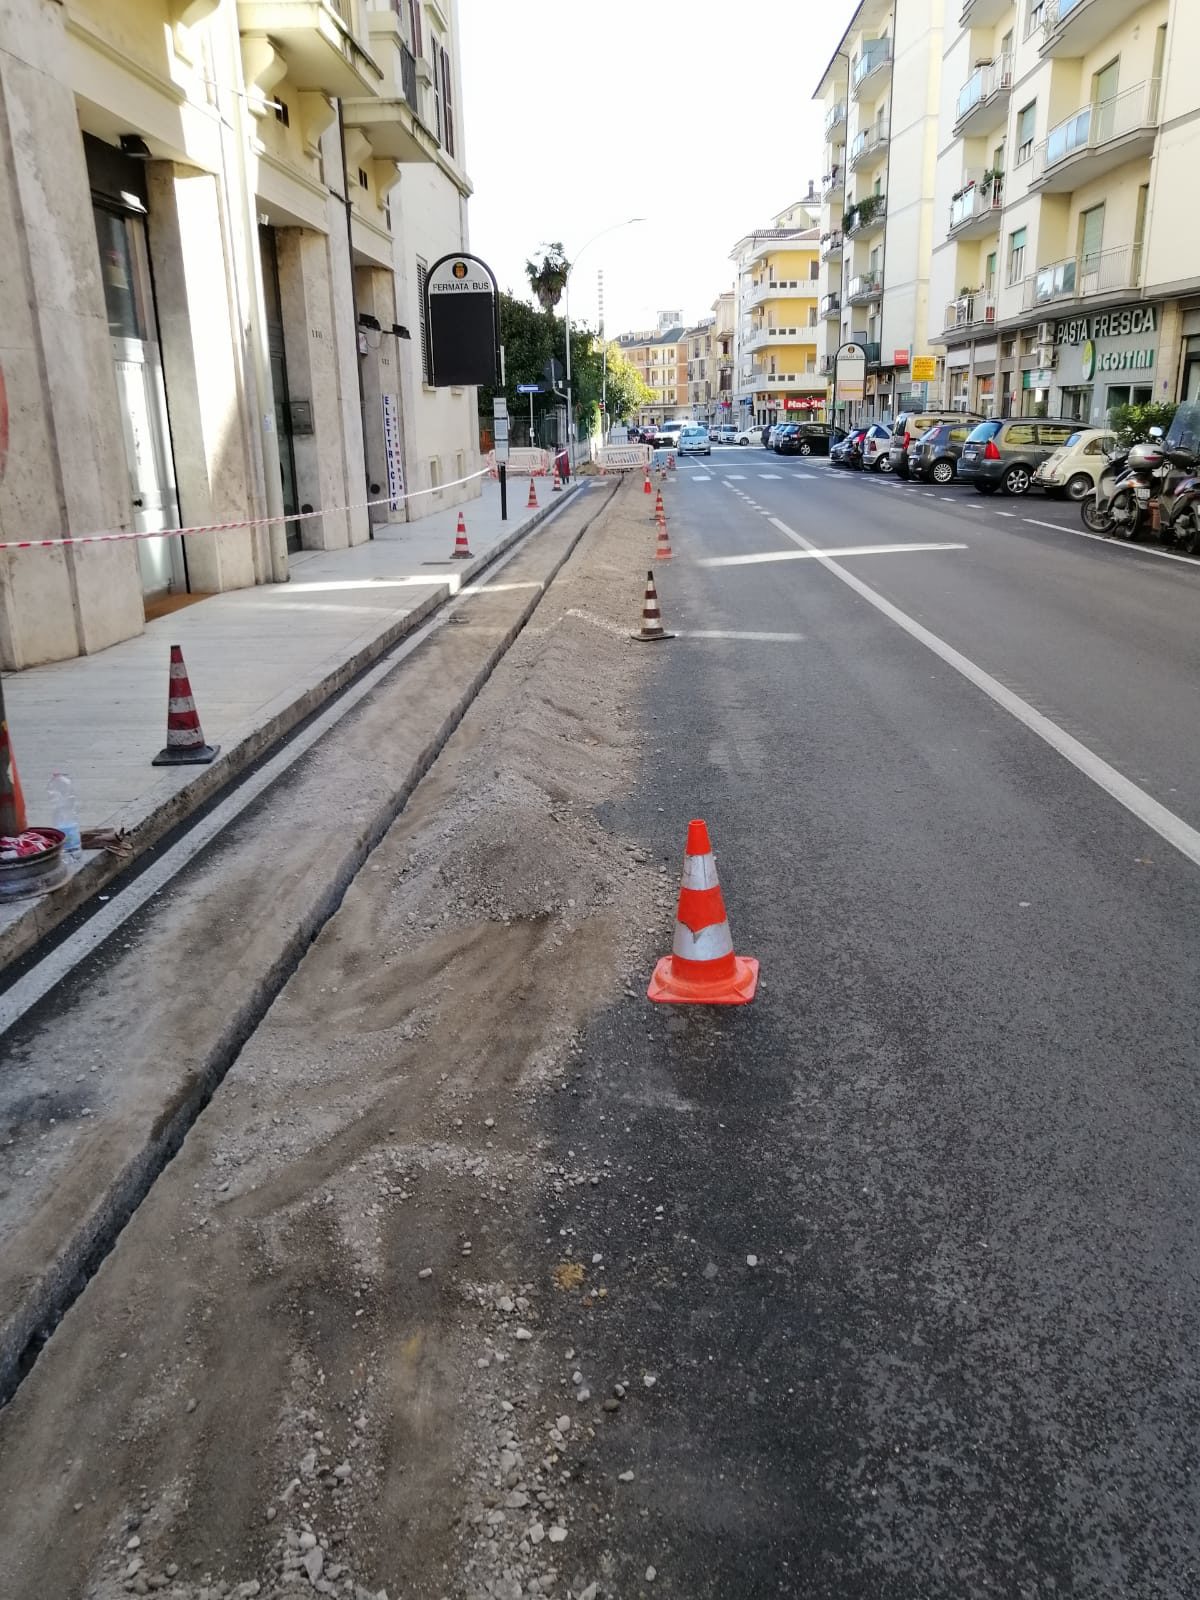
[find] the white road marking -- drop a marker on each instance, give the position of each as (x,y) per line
(759,558)
(802,474)
(770,474)
(1143,806)
(740,476)
(1005,513)
(1115,544)
(702,477)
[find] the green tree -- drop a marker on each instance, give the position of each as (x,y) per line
(548,277)
(1132,424)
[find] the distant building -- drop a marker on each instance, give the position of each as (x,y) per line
(775,322)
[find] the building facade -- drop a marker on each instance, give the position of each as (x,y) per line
(701,369)
(881,97)
(661,359)
(213,237)
(724,318)
(1067,270)
(776,334)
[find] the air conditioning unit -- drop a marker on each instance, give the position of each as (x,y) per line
(959,403)
(1045,357)
(1045,333)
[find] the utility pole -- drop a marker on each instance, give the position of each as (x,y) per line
(603,359)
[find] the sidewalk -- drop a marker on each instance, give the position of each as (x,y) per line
(259,660)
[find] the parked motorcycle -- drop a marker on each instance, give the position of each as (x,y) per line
(1094,507)
(1144,490)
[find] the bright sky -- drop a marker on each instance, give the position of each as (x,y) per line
(696,114)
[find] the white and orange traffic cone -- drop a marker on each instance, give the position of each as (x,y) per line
(532,503)
(671,461)
(185,744)
(646,482)
(702,968)
(556,485)
(659,511)
(652,626)
(462,550)
(662,551)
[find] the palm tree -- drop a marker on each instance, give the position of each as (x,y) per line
(548,278)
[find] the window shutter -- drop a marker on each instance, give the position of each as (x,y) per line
(426,363)
(448,101)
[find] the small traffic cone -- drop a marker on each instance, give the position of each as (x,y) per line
(662,551)
(532,503)
(646,484)
(462,550)
(652,627)
(671,461)
(556,485)
(702,968)
(12,802)
(185,744)
(658,506)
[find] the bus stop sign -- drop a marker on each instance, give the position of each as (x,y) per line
(461,316)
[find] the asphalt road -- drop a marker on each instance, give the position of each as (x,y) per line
(958,1128)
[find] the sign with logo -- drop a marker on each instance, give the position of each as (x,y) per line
(391,452)
(924,369)
(461,322)
(899,358)
(850,379)
(1107,325)
(1094,361)
(802,402)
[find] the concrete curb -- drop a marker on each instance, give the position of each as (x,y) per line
(49,1288)
(40,917)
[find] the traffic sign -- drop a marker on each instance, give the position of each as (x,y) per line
(461,322)
(923,369)
(529,388)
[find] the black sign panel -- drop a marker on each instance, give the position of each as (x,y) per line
(462,317)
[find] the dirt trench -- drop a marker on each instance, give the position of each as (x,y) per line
(315,1362)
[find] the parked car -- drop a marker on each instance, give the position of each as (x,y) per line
(848,451)
(1075,467)
(935,455)
(666,435)
(1006,452)
(765,437)
(910,425)
(752,434)
(694,440)
(781,431)
(875,447)
(809,439)
(726,433)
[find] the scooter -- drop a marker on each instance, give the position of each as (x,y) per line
(1139,491)
(1094,508)
(1185,523)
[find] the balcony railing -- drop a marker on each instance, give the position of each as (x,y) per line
(867,286)
(832,182)
(866,216)
(870,142)
(826,366)
(831,246)
(1076,25)
(871,348)
(877,54)
(831,305)
(969,310)
(768,375)
(977,202)
(834,116)
(991,78)
(1094,126)
(1100,272)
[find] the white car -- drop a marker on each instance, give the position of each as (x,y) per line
(750,435)
(1074,468)
(726,433)
(875,448)
(694,441)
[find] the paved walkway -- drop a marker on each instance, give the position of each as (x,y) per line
(253,656)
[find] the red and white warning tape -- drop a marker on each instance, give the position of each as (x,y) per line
(222,527)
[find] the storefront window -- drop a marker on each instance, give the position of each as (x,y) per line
(1077,404)
(1122,394)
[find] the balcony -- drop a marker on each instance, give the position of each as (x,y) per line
(983,100)
(970,311)
(321,52)
(767,378)
(868,286)
(1096,139)
(975,210)
(1079,277)
(831,247)
(780,288)
(1072,27)
(868,68)
(868,147)
(826,366)
(865,218)
(870,348)
(834,117)
(831,305)
(982,13)
(391,121)
(833,183)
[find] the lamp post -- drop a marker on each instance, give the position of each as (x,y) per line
(612,227)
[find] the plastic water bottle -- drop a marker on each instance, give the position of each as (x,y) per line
(65,807)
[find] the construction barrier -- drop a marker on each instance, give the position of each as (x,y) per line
(622,457)
(523,461)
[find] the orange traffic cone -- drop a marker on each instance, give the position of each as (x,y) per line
(462,550)
(659,511)
(646,483)
(652,627)
(662,551)
(532,503)
(702,968)
(12,802)
(185,744)
(671,461)
(556,485)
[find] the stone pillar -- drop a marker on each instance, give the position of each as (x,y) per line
(206,399)
(376,295)
(65,470)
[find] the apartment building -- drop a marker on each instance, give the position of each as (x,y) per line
(724,318)
(698,345)
(776,321)
(1067,265)
(213,239)
(661,359)
(881,97)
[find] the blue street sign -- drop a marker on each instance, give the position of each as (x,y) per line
(529,388)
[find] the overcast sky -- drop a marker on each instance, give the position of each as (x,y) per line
(696,114)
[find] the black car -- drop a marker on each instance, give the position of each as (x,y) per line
(809,439)
(781,431)
(935,455)
(848,451)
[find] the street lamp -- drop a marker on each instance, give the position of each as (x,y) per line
(612,227)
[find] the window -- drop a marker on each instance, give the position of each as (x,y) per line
(1021,433)
(448,102)
(1054,433)
(1016,256)
(814,271)
(989,275)
(1037,16)
(435,62)
(1026,118)
(1091,236)
(414,25)
(281,113)
(426,363)
(1139,230)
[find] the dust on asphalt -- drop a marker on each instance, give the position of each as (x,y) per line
(319,1359)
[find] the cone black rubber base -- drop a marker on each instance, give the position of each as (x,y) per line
(199,757)
(651,638)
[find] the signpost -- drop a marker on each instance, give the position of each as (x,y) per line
(462,322)
(923,369)
(530,389)
(849,374)
(391,452)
